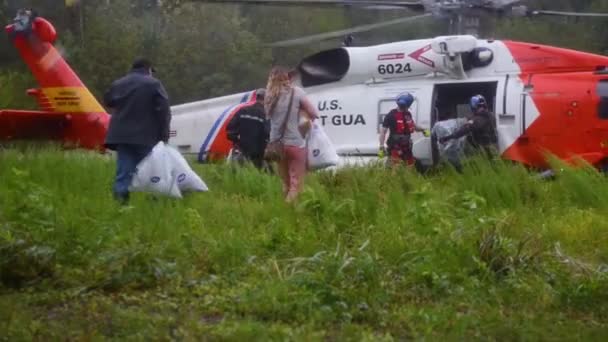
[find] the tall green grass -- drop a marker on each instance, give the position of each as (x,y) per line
(365,254)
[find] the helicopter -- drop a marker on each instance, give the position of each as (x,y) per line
(69,112)
(546,99)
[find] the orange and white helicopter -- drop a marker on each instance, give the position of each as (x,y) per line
(546,99)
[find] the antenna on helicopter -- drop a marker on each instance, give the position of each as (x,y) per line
(348,40)
(460,23)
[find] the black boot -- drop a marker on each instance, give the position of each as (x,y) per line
(122,198)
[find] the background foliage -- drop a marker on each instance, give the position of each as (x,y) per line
(207,50)
(367,254)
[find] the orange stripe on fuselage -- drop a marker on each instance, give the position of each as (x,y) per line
(535,59)
(565,95)
(221,146)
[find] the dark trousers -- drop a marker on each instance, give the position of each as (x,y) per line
(401,152)
(486,151)
(257,159)
(456,164)
(128,156)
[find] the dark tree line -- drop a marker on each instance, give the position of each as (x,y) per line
(206,50)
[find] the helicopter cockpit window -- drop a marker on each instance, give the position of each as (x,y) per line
(602,92)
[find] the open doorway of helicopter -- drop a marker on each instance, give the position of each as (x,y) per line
(451,101)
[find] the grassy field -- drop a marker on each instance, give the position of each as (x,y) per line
(366,254)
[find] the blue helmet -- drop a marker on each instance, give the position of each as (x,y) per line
(478,101)
(405,100)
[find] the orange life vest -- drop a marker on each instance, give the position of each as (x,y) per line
(405,123)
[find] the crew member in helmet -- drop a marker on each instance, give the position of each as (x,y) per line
(481,128)
(401,125)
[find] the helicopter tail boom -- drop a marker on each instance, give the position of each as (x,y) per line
(69,111)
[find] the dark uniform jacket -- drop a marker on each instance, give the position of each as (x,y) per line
(140,110)
(249,130)
(481,130)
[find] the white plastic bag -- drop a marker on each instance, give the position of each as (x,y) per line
(185,178)
(321,151)
(454,148)
(154,173)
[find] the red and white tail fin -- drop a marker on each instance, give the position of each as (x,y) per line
(62,96)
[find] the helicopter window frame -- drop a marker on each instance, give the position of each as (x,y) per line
(390,105)
(602,92)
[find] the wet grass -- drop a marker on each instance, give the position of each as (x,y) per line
(366,254)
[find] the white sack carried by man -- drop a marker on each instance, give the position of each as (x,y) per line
(321,151)
(165,171)
(453,149)
(186,178)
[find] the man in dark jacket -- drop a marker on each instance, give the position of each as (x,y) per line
(481,129)
(249,131)
(140,118)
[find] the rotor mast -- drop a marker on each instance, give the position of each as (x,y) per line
(464,23)
(461,14)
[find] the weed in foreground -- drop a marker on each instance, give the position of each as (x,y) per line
(365,254)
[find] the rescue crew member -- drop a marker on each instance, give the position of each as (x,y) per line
(249,130)
(140,118)
(401,125)
(480,129)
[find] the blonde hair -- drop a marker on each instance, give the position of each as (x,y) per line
(277,81)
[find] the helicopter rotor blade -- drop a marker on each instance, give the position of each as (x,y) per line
(413,5)
(440,9)
(569,14)
(342,33)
